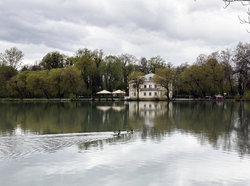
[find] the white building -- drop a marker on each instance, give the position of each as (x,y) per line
(149,90)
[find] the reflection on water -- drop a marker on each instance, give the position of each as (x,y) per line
(222,124)
(177,143)
(22,146)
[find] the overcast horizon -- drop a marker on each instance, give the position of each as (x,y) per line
(176,31)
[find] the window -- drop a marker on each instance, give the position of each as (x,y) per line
(134,94)
(155,86)
(150,78)
(144,93)
(145,86)
(144,105)
(150,86)
(155,93)
(149,105)
(149,93)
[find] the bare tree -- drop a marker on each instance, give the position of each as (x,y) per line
(244,3)
(12,57)
(242,66)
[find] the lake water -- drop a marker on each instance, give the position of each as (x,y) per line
(180,143)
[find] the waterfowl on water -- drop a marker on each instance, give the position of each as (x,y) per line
(131,131)
(117,134)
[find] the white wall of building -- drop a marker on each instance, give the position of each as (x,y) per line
(149,90)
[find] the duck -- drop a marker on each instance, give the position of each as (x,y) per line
(117,134)
(131,131)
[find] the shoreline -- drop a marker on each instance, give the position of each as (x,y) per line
(59,100)
(107,100)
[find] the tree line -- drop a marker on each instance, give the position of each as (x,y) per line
(89,71)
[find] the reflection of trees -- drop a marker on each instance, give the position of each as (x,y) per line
(6,117)
(87,145)
(99,144)
(242,129)
(225,125)
(51,118)
(43,117)
(222,124)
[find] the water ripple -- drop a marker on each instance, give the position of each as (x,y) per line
(15,147)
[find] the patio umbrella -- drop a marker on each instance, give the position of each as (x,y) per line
(119,92)
(104,92)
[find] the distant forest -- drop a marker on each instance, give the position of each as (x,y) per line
(225,72)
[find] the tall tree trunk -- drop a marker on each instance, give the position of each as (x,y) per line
(138,92)
(168,94)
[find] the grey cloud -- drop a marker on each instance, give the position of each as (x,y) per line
(148,27)
(29,27)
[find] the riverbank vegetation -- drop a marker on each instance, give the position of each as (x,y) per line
(225,72)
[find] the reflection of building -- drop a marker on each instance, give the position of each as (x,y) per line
(218,96)
(149,109)
(149,90)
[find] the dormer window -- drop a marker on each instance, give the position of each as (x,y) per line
(150,78)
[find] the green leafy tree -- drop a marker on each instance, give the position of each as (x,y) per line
(18,85)
(85,64)
(38,83)
(178,84)
(72,81)
(165,78)
(97,56)
(113,72)
(128,66)
(6,73)
(213,77)
(55,79)
(91,65)
(53,60)
(193,81)
(31,68)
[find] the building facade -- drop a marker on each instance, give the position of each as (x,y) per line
(149,90)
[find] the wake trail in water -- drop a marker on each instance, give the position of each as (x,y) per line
(15,147)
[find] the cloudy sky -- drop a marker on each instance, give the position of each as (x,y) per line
(177,30)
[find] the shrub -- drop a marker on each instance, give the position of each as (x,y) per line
(246,96)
